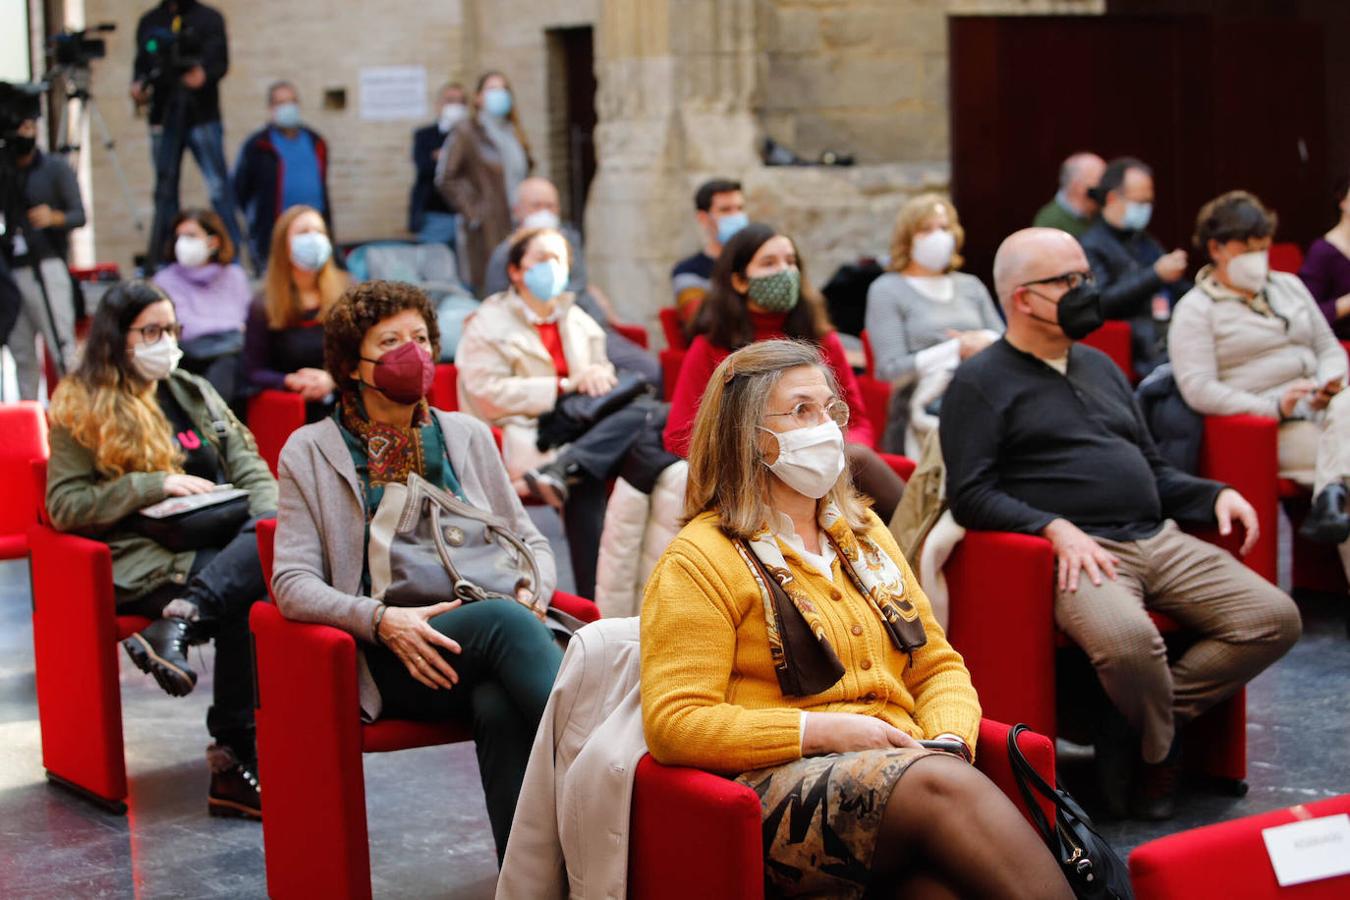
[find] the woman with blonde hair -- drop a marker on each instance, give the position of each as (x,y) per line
(130,429)
(817,666)
(283,343)
(924,316)
(482,164)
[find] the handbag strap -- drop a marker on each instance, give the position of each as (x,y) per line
(1027,778)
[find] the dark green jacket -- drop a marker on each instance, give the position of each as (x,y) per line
(82,500)
(1052,215)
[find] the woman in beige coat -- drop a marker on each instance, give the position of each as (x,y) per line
(1246,340)
(522,351)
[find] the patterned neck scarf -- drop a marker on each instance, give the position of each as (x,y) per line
(392,453)
(803,658)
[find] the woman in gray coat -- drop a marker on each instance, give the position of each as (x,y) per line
(493,661)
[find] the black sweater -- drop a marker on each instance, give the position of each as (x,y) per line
(1025,445)
(201,39)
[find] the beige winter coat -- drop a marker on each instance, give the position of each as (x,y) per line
(506,377)
(1228,359)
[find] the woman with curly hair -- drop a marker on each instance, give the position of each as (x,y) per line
(492,661)
(130,429)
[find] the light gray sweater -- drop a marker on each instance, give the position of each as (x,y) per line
(319,555)
(1229,359)
(901,321)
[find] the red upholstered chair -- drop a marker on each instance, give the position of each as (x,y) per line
(672,329)
(695,834)
(310,742)
(871,360)
(445,388)
(1002,621)
(23,440)
(1286,257)
(75,634)
(671,361)
(877,397)
(1230,860)
(272,416)
(635,333)
(1113,339)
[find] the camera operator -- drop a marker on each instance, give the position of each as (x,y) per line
(51,197)
(181,55)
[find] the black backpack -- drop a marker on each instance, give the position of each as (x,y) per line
(846,294)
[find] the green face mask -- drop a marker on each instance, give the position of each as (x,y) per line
(778,292)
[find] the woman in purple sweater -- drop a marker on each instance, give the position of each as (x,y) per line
(211,295)
(1326,270)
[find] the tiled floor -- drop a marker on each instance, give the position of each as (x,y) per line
(429,834)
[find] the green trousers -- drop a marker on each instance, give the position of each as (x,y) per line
(506,669)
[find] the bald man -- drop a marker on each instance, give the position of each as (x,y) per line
(1042,436)
(539,206)
(1072,208)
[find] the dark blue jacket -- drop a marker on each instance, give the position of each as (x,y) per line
(258,186)
(424,197)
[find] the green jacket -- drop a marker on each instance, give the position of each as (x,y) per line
(82,500)
(1052,215)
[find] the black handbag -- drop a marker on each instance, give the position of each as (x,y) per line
(1093,869)
(575,412)
(194,522)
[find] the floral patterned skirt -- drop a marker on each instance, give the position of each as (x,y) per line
(821,815)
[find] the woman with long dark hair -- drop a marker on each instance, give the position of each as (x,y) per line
(760,291)
(130,429)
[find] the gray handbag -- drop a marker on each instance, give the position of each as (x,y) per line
(428,546)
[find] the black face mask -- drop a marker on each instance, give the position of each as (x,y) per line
(1078,313)
(23,145)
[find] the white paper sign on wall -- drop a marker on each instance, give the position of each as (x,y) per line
(1310,850)
(393,93)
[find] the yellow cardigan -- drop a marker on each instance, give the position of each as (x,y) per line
(710,697)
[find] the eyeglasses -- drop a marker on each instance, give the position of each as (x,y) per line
(1070,280)
(150,334)
(809,412)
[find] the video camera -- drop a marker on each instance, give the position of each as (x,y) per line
(76,49)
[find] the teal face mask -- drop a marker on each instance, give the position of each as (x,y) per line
(778,292)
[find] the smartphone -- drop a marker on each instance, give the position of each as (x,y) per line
(953,747)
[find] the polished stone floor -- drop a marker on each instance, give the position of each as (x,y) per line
(428,826)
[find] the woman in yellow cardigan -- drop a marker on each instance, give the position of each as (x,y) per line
(785,641)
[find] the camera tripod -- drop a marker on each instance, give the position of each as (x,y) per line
(77,79)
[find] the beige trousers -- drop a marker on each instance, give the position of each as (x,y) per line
(1317,453)
(1244,624)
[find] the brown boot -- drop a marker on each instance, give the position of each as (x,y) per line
(234,785)
(1154,798)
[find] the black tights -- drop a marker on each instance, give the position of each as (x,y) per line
(948,832)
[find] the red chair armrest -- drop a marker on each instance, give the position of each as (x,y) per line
(1002,621)
(991,758)
(578,607)
(693,834)
(672,329)
(671,361)
(900,465)
(1242,451)
(445,388)
(635,333)
(877,396)
(272,416)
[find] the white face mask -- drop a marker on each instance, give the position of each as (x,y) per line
(540,218)
(933,249)
(1249,270)
(191,251)
(155,362)
(810,460)
(451,115)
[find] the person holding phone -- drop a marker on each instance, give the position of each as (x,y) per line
(1246,340)
(785,641)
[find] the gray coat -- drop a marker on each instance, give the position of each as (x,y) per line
(319,554)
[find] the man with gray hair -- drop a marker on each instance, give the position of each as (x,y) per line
(1042,436)
(1072,209)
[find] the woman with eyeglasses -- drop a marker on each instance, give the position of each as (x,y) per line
(131,429)
(760,292)
(818,666)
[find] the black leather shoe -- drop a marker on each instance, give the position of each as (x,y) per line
(1154,797)
(234,789)
(161,649)
(1327,521)
(552,481)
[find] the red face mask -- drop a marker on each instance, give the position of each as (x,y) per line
(404,374)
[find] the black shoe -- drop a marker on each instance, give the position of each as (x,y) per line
(161,649)
(1117,755)
(1327,521)
(234,785)
(1154,797)
(552,481)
